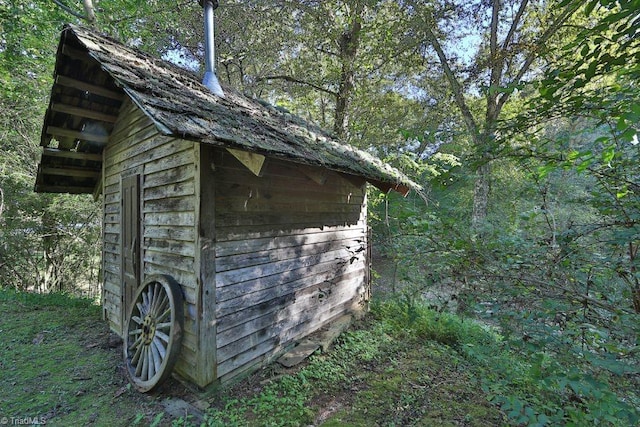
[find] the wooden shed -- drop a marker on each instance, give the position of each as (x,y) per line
(231,228)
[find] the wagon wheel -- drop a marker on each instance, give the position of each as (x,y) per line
(153,334)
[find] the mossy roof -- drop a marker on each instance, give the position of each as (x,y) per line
(180,105)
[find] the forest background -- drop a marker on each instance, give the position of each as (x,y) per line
(519,118)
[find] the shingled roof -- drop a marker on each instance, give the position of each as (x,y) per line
(94,74)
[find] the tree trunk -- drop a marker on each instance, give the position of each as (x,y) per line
(481,189)
(90,12)
(349,42)
(51,275)
(633,280)
(501,73)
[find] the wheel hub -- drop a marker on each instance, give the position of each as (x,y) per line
(148,329)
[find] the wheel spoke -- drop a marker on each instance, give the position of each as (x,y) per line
(152,296)
(161,349)
(162,336)
(149,298)
(141,309)
(163,326)
(153,335)
(138,350)
(161,304)
(136,343)
(164,315)
(158,301)
(142,362)
(145,301)
(150,366)
(157,360)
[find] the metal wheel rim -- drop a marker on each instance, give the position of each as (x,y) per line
(153,334)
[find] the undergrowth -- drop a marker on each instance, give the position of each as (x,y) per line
(57,368)
(531,389)
(405,364)
(284,401)
(533,386)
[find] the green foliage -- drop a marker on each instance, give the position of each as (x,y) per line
(46,242)
(284,400)
(531,383)
(555,263)
(57,366)
(553,269)
(414,317)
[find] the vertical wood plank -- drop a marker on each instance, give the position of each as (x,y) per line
(205,192)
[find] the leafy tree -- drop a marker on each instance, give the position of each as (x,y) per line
(513,36)
(556,267)
(43,244)
(595,82)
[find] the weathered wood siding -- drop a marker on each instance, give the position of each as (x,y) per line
(290,256)
(168,217)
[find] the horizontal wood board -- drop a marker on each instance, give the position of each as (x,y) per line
(290,256)
(168,201)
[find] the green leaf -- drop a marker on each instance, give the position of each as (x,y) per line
(591,71)
(543,171)
(584,164)
(622,193)
(630,134)
(547,92)
(621,125)
(608,154)
(579,83)
(585,50)
(590,6)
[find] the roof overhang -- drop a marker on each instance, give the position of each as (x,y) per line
(95,74)
(83,108)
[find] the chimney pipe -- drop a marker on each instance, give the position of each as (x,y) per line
(210,80)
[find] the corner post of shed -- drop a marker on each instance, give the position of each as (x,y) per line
(206,260)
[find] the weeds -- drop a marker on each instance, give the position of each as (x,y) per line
(384,372)
(405,365)
(285,400)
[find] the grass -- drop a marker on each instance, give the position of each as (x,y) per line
(402,365)
(378,374)
(57,367)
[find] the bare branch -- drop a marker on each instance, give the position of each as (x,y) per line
(453,81)
(496,63)
(294,80)
(514,24)
(533,54)
(69,10)
(89,11)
